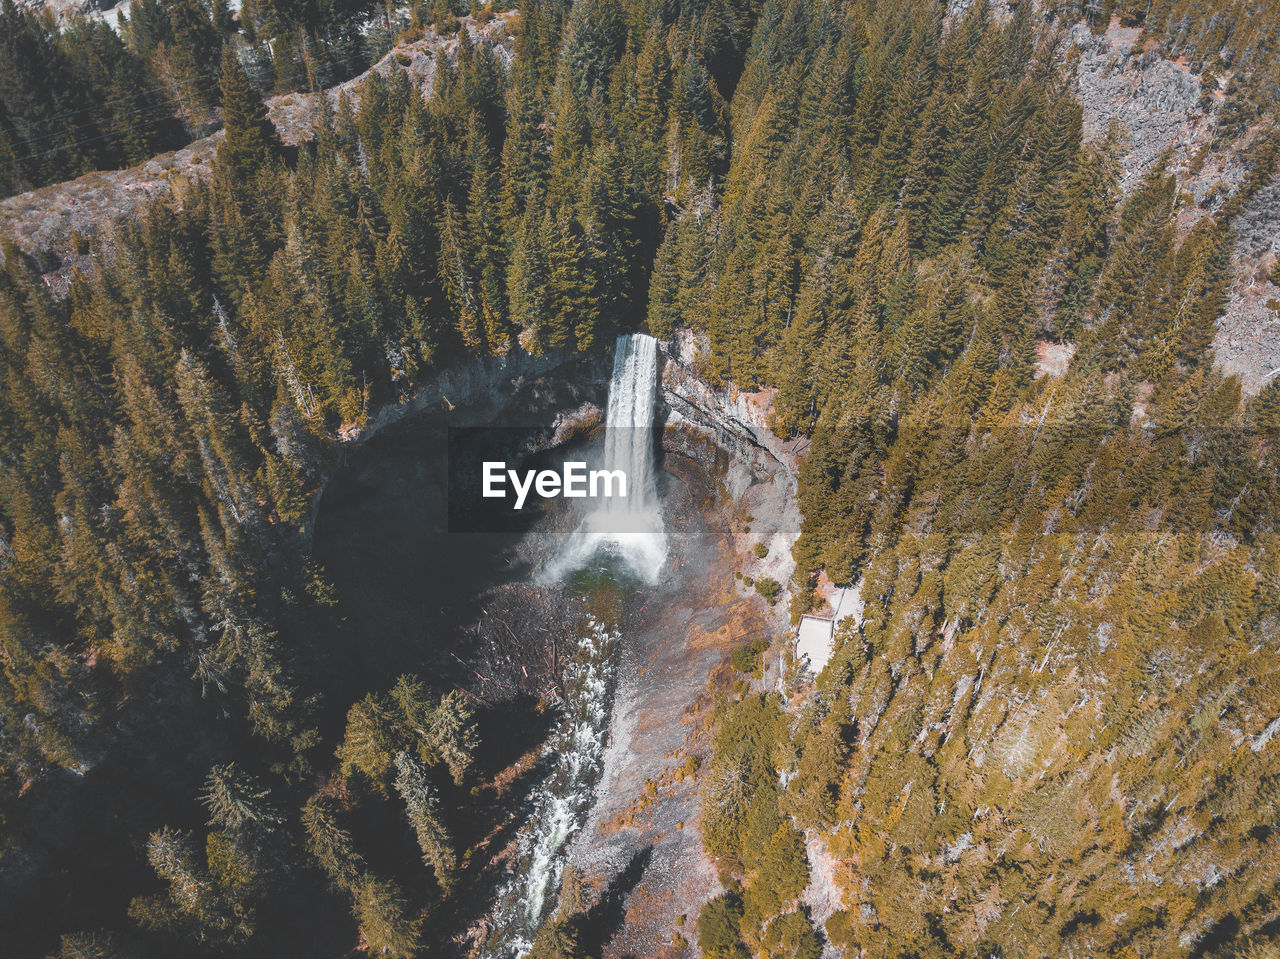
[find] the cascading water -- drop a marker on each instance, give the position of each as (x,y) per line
(629,528)
(561,802)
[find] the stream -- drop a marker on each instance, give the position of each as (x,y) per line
(561,802)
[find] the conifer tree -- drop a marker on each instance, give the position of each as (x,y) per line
(236,802)
(556,939)
(250,143)
(385,925)
(193,901)
(368,746)
(527,278)
(329,843)
(423,810)
(453,736)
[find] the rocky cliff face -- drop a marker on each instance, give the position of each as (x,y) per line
(736,420)
(558,390)
(1157,107)
(760,475)
(478,390)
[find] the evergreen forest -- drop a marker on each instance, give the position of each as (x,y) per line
(1054,732)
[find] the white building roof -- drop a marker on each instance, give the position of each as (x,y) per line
(813,642)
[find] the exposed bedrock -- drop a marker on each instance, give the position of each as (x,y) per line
(759,474)
(735,422)
(1152,99)
(1248,337)
(45,223)
(730,485)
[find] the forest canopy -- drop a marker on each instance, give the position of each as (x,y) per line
(1052,729)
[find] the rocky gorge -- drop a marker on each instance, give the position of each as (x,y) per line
(727,483)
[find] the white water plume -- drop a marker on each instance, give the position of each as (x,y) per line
(628,528)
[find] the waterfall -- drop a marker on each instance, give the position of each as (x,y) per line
(628,529)
(629,430)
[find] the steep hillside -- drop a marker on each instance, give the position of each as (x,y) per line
(1160,113)
(67,225)
(976,275)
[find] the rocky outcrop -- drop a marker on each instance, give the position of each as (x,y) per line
(1152,100)
(822,897)
(1248,336)
(516,385)
(1002,10)
(68,226)
(63,9)
(760,475)
(1157,108)
(1156,105)
(736,420)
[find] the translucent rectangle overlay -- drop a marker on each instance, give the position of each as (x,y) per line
(503,479)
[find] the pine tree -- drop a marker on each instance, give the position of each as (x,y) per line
(385,926)
(193,901)
(574,316)
(555,940)
(457,281)
(329,843)
(251,143)
(236,803)
(453,736)
(528,275)
(423,810)
(664,286)
(368,746)
(485,234)
(719,935)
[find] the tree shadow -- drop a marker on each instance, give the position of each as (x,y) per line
(599,923)
(1218,935)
